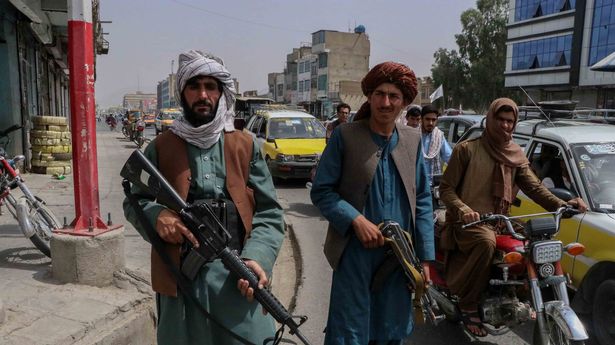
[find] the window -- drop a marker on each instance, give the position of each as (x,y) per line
(306,87)
(322,60)
(255,124)
(262,128)
(542,53)
(318,37)
(602,41)
(445,127)
(300,85)
(322,82)
(528,9)
(459,130)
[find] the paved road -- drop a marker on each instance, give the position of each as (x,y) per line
(313,294)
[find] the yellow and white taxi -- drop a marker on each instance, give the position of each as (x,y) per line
(291,140)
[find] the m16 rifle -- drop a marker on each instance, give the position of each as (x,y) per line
(213,238)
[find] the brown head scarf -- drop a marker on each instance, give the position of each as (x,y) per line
(508,155)
(387,72)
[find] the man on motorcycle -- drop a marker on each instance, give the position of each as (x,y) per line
(483,176)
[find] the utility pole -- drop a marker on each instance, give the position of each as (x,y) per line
(83,123)
(87,251)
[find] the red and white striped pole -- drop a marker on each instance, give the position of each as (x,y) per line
(83,123)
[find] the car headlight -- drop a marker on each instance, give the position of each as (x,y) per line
(547,251)
(285,158)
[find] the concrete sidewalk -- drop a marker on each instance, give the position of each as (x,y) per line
(36,309)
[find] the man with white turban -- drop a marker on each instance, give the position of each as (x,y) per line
(206,160)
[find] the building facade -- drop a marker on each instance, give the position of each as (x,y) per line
(34,76)
(320,75)
(165,93)
(276,86)
(553,43)
(145,102)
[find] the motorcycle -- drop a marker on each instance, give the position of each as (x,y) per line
(127,128)
(35,220)
(138,136)
(112,123)
(524,266)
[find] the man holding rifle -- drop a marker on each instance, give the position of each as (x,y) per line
(207,161)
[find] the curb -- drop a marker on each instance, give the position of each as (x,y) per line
(298,260)
(2,312)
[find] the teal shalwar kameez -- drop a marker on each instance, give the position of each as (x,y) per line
(179,321)
(357,315)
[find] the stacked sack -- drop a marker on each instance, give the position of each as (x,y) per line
(51,145)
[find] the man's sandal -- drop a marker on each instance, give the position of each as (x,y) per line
(466,318)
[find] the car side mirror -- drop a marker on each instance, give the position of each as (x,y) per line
(562,193)
(516,202)
(270,140)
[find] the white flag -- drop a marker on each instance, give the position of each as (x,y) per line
(436,94)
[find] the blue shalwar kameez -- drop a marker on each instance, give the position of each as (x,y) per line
(356,315)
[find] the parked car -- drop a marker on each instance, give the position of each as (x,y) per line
(165,119)
(290,140)
(455,126)
(582,158)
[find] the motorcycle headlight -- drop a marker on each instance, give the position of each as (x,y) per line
(547,251)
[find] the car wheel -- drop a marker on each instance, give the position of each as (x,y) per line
(603,313)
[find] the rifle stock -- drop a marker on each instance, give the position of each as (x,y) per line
(202,222)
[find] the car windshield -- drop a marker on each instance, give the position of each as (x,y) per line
(171,116)
(596,162)
(296,128)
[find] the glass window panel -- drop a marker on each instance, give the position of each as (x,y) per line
(573,3)
(568,42)
(605,14)
(592,56)
(601,52)
(602,35)
(560,43)
(534,47)
(594,40)
(598,3)
(609,49)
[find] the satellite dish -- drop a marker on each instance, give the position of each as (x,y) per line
(360,29)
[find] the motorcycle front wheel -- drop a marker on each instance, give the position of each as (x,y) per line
(44,222)
(557,336)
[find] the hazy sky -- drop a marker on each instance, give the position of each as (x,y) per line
(253,37)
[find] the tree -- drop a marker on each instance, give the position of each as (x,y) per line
(450,71)
(482,53)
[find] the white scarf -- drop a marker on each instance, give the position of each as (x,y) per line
(433,153)
(195,63)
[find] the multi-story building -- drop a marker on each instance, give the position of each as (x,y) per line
(425,88)
(327,72)
(165,92)
(276,86)
(553,43)
(145,102)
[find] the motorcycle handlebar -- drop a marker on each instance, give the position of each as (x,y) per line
(485,218)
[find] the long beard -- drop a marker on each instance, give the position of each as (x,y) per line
(195,118)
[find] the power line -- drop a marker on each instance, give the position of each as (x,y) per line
(236,18)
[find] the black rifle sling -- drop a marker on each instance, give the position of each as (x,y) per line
(182,283)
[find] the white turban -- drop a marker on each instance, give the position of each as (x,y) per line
(195,63)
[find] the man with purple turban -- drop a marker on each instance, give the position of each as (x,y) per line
(372,171)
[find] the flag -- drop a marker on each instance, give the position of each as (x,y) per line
(436,94)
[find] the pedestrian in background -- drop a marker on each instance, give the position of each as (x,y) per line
(372,171)
(436,149)
(204,158)
(343,112)
(413,117)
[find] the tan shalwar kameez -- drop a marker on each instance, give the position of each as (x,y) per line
(466,187)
